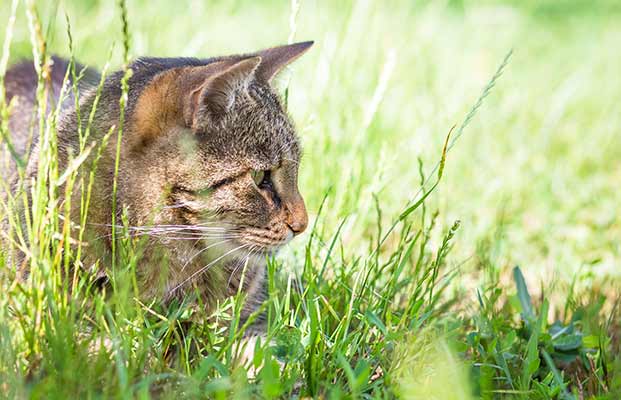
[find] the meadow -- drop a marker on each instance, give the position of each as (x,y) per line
(480,264)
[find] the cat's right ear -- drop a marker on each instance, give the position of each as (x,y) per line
(215,97)
(193,96)
(277,58)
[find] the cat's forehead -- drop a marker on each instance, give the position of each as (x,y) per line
(259,130)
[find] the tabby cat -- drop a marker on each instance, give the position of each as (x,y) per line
(208,168)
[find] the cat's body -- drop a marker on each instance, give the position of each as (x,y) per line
(21,86)
(207,168)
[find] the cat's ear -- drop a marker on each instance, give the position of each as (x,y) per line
(216,97)
(276,59)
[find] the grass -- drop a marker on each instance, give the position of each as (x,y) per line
(433,308)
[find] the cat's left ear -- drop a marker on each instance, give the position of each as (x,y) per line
(276,59)
(216,96)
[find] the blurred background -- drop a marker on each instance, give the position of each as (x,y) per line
(535,177)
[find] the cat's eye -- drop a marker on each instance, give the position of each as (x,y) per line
(261,178)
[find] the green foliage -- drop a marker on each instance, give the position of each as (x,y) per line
(529,359)
(375,300)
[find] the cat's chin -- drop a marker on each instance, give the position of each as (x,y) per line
(263,250)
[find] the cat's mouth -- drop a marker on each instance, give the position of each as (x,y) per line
(265,240)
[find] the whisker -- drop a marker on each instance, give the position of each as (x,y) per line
(192,231)
(179,235)
(243,262)
(197,237)
(201,226)
(176,228)
(206,267)
(183,233)
(202,251)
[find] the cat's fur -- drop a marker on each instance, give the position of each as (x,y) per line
(197,134)
(20,88)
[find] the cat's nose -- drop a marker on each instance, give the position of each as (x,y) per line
(297,218)
(298,226)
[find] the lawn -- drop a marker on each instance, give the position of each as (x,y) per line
(504,282)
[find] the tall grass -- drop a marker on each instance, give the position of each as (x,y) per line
(374,306)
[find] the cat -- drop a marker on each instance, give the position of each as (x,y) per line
(207,172)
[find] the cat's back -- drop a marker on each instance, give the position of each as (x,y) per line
(20,86)
(21,82)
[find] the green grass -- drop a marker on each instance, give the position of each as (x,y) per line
(432,309)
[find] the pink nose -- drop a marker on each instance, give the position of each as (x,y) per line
(298,226)
(297,219)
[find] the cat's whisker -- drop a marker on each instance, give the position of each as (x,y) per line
(205,235)
(202,251)
(206,267)
(201,237)
(232,274)
(182,232)
(244,262)
(201,227)
(190,233)
(213,224)
(169,227)
(177,234)
(178,228)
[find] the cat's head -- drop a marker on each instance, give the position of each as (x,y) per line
(212,149)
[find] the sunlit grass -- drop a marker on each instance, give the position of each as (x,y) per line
(425,310)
